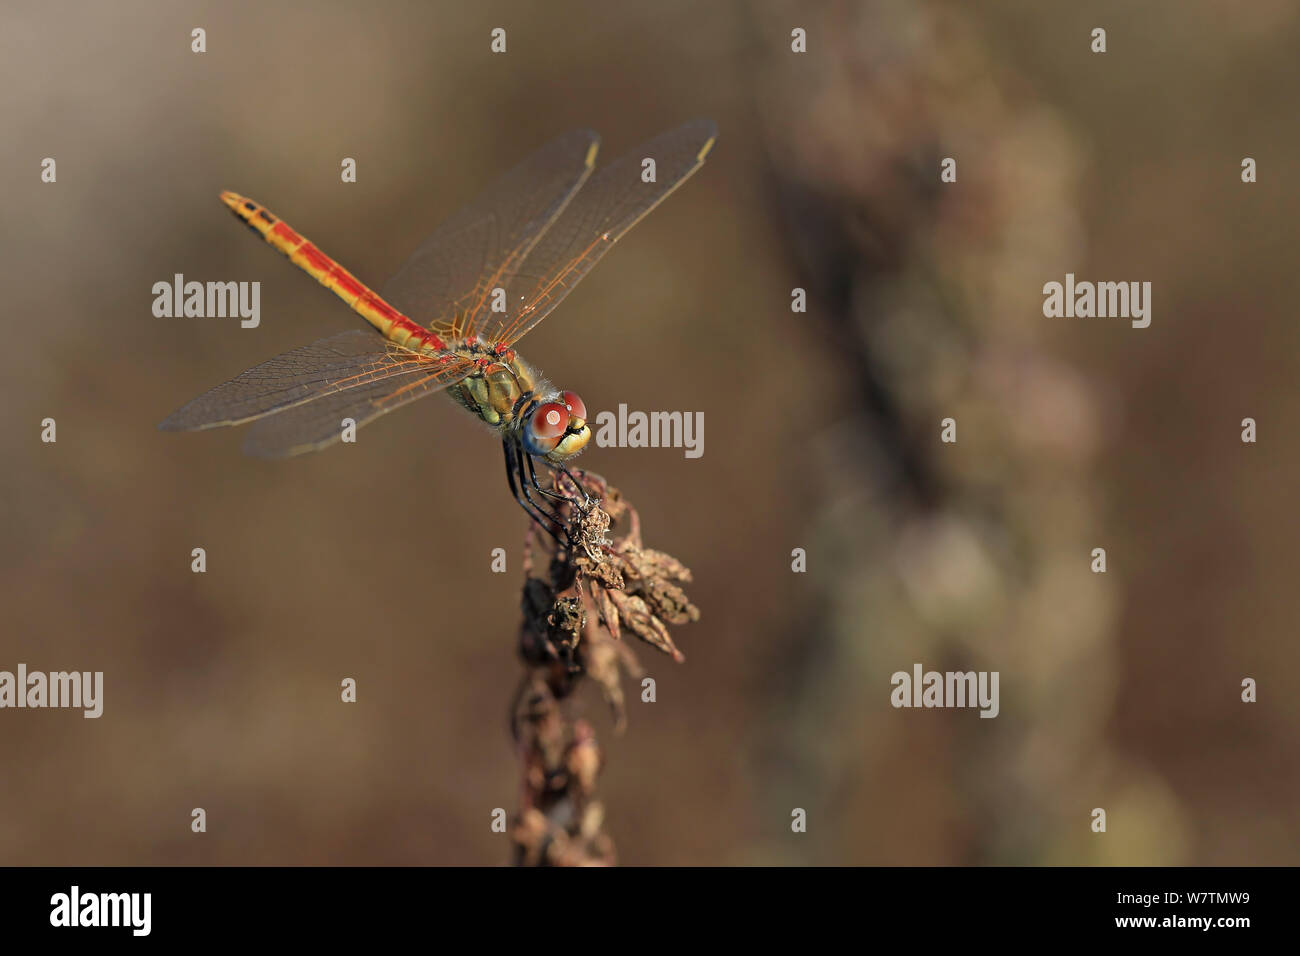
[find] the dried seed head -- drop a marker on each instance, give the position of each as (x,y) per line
(577,602)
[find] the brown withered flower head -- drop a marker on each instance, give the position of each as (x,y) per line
(580,598)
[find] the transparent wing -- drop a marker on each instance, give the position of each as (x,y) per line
(319,423)
(611,202)
(451,275)
(358,363)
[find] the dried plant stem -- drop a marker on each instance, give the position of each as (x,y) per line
(575,610)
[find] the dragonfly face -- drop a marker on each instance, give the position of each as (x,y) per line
(451,316)
(557,430)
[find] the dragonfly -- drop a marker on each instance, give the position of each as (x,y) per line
(448,321)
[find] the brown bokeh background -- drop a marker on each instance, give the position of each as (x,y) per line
(1119,691)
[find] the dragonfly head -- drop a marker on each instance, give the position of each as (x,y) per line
(557,430)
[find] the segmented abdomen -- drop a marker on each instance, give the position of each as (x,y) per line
(306,256)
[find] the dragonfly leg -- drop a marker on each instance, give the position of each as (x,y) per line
(555,495)
(531,475)
(519,488)
(577,484)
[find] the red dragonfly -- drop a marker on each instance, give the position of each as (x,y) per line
(449,319)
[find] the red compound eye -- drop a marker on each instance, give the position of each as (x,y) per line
(576,408)
(550,420)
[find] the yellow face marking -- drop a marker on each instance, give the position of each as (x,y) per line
(570,444)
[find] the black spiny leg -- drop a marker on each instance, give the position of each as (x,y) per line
(555,495)
(526,476)
(512,473)
(515,458)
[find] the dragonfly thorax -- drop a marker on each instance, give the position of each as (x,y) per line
(506,393)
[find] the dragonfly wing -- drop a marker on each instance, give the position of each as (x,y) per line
(319,423)
(455,270)
(613,201)
(330,365)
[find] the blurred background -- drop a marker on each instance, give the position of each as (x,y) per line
(372,561)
